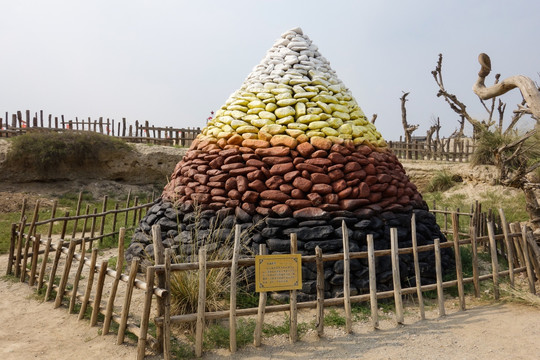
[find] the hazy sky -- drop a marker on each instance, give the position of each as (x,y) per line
(172,62)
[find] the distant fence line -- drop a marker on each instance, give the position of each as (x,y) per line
(139,132)
(446,149)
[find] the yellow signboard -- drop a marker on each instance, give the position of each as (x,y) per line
(278,272)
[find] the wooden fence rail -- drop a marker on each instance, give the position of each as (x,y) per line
(138,132)
(521,251)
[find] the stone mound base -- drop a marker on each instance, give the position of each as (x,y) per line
(184,226)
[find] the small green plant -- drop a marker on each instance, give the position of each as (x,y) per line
(333,318)
(361,311)
(441,181)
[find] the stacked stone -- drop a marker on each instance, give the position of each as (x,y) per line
(291,152)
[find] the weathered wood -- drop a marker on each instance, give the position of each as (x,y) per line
(438,270)
(104,209)
(77,213)
(12,246)
(52,275)
(145,318)
(65,275)
(53,214)
(525,248)
(459,265)
(319,322)
(35,253)
(64,225)
(257,334)
(18,250)
(122,325)
(534,253)
(85,222)
(372,282)
(167,300)
(99,292)
(115,217)
(89,284)
(201,304)
(44,264)
(114,288)
(346,278)
(293,329)
(508,244)
(25,257)
(515,229)
(128,199)
(234,269)
(159,259)
(77,277)
(417,268)
(494,260)
(396,276)
(474,248)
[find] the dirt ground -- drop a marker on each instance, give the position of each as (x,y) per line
(502,330)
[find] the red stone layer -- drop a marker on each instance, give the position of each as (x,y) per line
(279,180)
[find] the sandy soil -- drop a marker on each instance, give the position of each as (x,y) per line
(33,329)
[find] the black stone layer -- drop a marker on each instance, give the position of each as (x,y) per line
(181,227)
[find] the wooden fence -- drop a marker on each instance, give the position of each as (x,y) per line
(453,149)
(139,132)
(522,254)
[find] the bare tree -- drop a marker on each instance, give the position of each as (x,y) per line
(407,128)
(514,159)
(516,155)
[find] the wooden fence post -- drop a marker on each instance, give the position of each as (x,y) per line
(89,284)
(201,305)
(509,249)
(320,292)
(145,318)
(438,270)
(372,282)
(530,274)
(346,278)
(261,309)
(159,258)
(476,279)
(293,333)
(417,268)
(114,288)
(77,277)
(459,266)
(127,300)
(234,268)
(396,275)
(99,292)
(494,260)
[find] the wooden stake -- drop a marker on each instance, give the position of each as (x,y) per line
(201,306)
(234,269)
(104,208)
(438,269)
(18,251)
(494,260)
(87,212)
(127,300)
(530,274)
(12,246)
(44,263)
(396,276)
(320,292)
(293,329)
(114,288)
(372,282)
(52,275)
(474,247)
(127,207)
(35,252)
(65,275)
(514,227)
(159,258)
(167,301)
(25,257)
(53,214)
(257,334)
(89,284)
(459,266)
(509,248)
(99,292)
(77,277)
(346,278)
(145,318)
(417,268)
(77,213)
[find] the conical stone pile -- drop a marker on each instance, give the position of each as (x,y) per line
(291,151)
